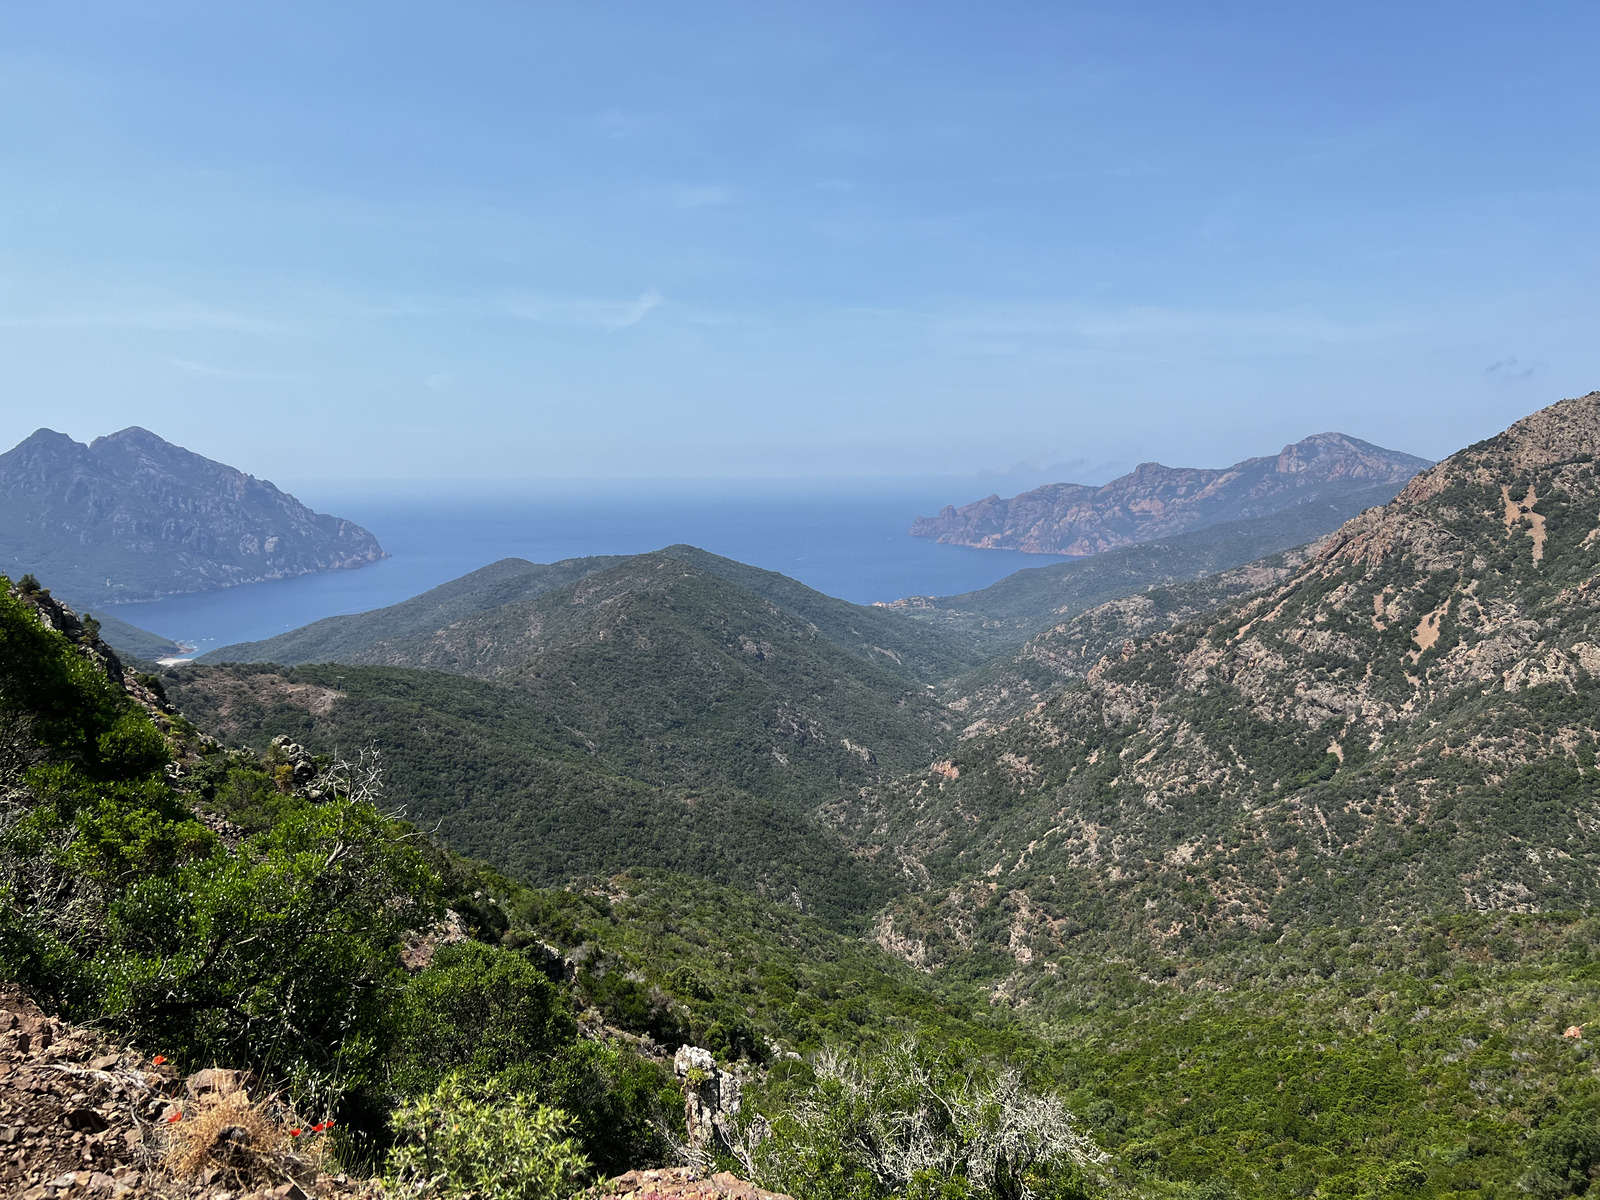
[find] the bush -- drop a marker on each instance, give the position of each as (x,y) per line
(459,1144)
(910,1123)
(477,1009)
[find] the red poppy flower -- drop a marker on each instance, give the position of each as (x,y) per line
(294,1133)
(159,1059)
(175,1118)
(318,1127)
(327,1124)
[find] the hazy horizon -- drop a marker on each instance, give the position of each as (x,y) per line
(529,242)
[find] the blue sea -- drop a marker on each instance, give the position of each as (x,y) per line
(849,542)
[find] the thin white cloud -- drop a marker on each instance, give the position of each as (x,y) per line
(604,314)
(198,368)
(195,367)
(165,317)
(1009,328)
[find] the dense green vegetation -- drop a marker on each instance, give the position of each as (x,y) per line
(501,779)
(677,676)
(275,950)
(1289,899)
(1324,1062)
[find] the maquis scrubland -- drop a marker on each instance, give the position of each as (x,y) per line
(1179,871)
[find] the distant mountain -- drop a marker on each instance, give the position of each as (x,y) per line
(133,517)
(1154,501)
(1402,724)
(1034,599)
(349,638)
(375,637)
(674,709)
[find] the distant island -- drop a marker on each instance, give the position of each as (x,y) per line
(133,517)
(1153,501)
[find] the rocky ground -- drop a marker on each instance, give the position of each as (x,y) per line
(680,1183)
(82,1117)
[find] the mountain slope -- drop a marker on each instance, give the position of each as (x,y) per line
(867,632)
(1154,501)
(1405,722)
(673,674)
(500,778)
(1049,661)
(133,517)
(134,642)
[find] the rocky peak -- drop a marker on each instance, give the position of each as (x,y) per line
(1155,501)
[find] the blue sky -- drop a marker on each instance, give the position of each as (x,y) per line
(526,241)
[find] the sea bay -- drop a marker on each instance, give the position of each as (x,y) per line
(849,542)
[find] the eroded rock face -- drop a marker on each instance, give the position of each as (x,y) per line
(711,1098)
(1153,501)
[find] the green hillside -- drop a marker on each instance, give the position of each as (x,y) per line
(503,779)
(676,675)
(134,642)
(232,908)
(869,633)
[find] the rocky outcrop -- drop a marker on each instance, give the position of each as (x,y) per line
(1154,501)
(84,634)
(711,1100)
(133,517)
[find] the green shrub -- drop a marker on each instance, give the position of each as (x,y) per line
(459,1144)
(478,1009)
(920,1125)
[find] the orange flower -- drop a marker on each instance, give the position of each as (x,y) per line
(159,1059)
(175,1118)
